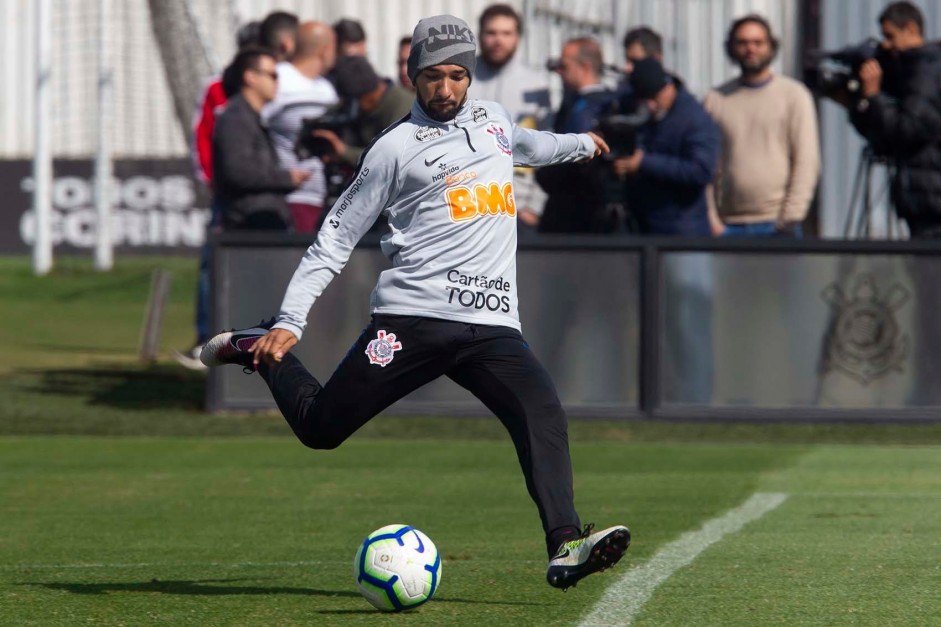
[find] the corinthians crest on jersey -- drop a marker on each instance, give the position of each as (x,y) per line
(500,139)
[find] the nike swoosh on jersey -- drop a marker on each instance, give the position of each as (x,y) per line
(434,161)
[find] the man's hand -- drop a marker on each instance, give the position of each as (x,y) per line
(338,146)
(528,217)
(716,226)
(601,147)
(299,176)
(626,166)
(870,74)
(273,346)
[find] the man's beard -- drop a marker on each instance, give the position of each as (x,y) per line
(495,64)
(757,67)
(442,116)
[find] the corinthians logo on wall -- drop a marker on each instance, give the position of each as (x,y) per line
(865,341)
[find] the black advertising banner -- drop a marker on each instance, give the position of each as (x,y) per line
(155,204)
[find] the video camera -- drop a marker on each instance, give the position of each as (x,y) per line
(619,123)
(307,146)
(835,73)
(618,126)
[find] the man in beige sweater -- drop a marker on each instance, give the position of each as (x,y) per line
(770,160)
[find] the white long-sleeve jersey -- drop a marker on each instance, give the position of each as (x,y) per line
(447,192)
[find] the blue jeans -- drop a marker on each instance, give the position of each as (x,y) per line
(202,296)
(762,229)
(203,292)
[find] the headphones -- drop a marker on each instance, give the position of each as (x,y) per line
(753,18)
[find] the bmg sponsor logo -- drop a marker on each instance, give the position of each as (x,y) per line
(467,203)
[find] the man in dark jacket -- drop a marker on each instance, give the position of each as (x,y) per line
(576,202)
(678,148)
(900,116)
(249,183)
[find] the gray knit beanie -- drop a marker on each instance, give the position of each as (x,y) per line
(442,40)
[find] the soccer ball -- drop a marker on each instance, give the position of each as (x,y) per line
(397,567)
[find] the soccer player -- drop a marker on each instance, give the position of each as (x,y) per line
(442,175)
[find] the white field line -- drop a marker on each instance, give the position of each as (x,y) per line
(624,599)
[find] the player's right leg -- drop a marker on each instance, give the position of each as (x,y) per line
(394,356)
(590,552)
(498,367)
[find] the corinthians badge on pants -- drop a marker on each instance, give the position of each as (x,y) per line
(381,350)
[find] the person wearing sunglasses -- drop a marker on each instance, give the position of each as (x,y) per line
(249,183)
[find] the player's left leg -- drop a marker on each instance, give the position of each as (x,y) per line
(394,356)
(498,367)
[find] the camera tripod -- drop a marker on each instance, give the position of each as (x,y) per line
(859,215)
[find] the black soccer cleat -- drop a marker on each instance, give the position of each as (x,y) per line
(231,347)
(590,553)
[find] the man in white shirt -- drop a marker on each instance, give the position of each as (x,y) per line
(502,77)
(303,93)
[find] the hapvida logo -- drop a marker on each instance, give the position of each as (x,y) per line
(446,172)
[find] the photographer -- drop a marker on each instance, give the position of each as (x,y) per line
(678,148)
(899,114)
(373,104)
(576,200)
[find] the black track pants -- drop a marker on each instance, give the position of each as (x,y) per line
(494,363)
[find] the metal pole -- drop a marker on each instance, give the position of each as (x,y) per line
(204,42)
(153,317)
(42,153)
(104,251)
(529,15)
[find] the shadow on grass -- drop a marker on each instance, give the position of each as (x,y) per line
(63,349)
(131,387)
(207,587)
(214,587)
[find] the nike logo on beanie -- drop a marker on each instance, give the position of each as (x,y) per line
(447,35)
(442,40)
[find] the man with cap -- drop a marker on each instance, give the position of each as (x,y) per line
(678,148)
(443,178)
(378,103)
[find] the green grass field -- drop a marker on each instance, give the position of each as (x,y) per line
(121,503)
